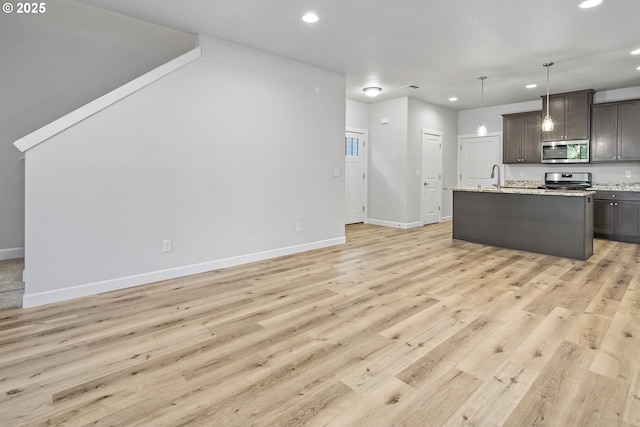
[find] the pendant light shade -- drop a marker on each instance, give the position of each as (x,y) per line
(482,129)
(547,123)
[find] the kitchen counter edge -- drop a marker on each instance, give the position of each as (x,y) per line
(536,191)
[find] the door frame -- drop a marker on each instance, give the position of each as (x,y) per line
(365,147)
(439,134)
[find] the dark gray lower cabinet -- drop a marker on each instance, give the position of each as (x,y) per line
(543,223)
(616,216)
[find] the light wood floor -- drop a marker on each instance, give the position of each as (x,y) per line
(395,328)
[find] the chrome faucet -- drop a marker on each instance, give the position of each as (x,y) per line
(493,169)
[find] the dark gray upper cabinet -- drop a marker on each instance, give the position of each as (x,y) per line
(615,134)
(521,137)
(571,115)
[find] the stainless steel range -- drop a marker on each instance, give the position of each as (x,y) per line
(567,181)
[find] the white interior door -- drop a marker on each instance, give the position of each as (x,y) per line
(477,156)
(354,177)
(431,177)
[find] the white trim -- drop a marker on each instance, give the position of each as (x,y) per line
(356,130)
(36,137)
(446,218)
(433,132)
(401,225)
(11,253)
(473,135)
(62,294)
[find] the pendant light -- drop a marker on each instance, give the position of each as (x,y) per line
(482,129)
(547,123)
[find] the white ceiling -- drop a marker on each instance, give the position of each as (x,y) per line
(441,45)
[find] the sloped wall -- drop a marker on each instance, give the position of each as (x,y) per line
(55,62)
(223,157)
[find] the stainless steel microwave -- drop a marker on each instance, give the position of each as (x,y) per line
(565,152)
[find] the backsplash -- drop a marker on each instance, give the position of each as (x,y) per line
(601,186)
(623,173)
(522,183)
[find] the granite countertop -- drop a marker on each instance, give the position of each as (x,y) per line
(538,191)
(531,187)
(598,186)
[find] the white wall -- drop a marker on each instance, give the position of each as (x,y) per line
(223,157)
(469,120)
(55,62)
(388,163)
(357,114)
(395,153)
(427,116)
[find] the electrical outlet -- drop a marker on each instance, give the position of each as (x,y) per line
(166,245)
(627,174)
(298,227)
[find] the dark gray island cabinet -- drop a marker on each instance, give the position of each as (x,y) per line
(553,222)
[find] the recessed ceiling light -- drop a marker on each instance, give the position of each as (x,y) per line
(453,98)
(531,86)
(635,52)
(589,3)
(638,68)
(310,18)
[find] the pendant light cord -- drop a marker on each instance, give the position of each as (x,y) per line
(482,78)
(547,90)
(482,103)
(547,65)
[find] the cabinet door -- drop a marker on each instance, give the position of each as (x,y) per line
(626,222)
(604,135)
(577,110)
(512,139)
(603,217)
(629,130)
(556,111)
(532,124)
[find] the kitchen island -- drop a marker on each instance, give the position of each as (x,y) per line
(553,222)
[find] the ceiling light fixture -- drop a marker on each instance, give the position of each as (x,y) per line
(531,86)
(453,98)
(372,91)
(547,123)
(589,3)
(310,18)
(635,52)
(482,129)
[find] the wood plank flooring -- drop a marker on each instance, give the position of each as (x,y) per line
(394,328)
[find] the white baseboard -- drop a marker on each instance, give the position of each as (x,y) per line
(405,225)
(402,225)
(63,294)
(11,253)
